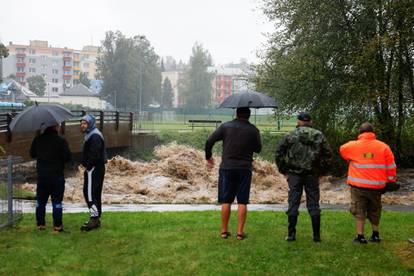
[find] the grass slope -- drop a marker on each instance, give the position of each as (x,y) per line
(188,243)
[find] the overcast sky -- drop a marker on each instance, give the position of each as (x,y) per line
(229,29)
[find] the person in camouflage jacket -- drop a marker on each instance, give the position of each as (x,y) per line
(303,155)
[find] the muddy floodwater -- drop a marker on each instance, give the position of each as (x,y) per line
(179,175)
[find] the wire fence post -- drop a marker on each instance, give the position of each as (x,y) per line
(10,189)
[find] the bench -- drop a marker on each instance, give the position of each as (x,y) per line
(203,123)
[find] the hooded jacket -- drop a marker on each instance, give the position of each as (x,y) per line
(94,151)
(51,152)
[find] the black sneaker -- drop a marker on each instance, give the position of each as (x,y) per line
(93,223)
(291,238)
(360,240)
(374,239)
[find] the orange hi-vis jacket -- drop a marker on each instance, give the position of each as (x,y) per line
(371,162)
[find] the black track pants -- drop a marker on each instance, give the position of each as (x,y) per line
(92,189)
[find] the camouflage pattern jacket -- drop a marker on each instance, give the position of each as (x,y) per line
(304,151)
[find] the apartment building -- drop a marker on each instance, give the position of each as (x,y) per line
(54,64)
(88,57)
(59,67)
(226,81)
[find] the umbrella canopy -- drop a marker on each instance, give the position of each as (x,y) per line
(39,116)
(248,98)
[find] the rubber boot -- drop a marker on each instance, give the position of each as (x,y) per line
(292,220)
(316,227)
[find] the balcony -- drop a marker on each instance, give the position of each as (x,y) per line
(67,58)
(20,55)
(67,76)
(67,67)
(20,74)
(20,64)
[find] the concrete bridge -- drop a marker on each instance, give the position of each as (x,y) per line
(116,127)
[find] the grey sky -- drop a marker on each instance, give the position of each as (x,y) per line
(229,29)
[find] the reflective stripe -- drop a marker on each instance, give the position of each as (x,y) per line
(372,166)
(392,166)
(391,177)
(366,181)
(90,184)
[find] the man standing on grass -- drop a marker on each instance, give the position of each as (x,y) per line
(94,160)
(371,166)
(240,139)
(51,152)
(302,156)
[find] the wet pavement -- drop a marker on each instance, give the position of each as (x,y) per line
(29,207)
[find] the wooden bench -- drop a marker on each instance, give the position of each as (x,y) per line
(203,123)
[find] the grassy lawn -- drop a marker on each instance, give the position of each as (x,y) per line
(188,243)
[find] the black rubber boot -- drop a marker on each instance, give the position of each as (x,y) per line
(316,227)
(292,220)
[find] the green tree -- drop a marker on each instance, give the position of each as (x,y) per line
(167,93)
(4,52)
(83,78)
(37,85)
(195,87)
(344,61)
(126,66)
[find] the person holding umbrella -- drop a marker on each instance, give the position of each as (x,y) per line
(240,139)
(94,159)
(51,152)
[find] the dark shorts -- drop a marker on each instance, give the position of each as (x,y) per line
(234,183)
(366,204)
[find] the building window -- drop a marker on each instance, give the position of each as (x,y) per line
(32,51)
(32,60)
(86,65)
(54,63)
(67,73)
(20,50)
(55,53)
(43,57)
(44,66)
(32,70)
(20,69)
(55,80)
(44,76)
(55,89)
(20,60)
(20,79)
(55,71)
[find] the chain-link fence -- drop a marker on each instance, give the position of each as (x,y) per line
(10,192)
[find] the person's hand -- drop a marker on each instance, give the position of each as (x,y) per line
(210,163)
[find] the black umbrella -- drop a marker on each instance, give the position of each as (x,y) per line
(248,98)
(39,116)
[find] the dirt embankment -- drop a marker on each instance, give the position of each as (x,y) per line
(179,175)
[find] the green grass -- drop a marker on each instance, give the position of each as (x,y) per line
(187,243)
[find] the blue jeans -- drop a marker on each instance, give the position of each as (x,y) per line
(53,186)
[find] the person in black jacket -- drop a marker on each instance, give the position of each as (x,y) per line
(240,139)
(94,160)
(51,152)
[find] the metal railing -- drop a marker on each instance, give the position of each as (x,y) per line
(11,209)
(101,117)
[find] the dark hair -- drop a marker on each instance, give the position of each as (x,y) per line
(243,112)
(366,127)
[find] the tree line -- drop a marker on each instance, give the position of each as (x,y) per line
(131,73)
(345,61)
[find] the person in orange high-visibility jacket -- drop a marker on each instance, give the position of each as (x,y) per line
(371,166)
